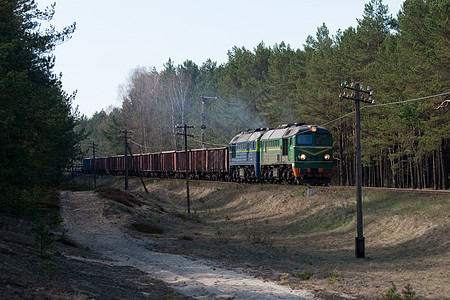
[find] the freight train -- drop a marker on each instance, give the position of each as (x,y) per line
(293,153)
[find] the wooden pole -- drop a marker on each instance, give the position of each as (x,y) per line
(187,170)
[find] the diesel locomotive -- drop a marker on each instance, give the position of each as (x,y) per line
(289,153)
(293,153)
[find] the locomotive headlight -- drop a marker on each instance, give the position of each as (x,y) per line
(327,156)
(303,156)
(313,128)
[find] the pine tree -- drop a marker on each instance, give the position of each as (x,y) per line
(36,121)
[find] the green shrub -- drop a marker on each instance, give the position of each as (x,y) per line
(406,294)
(306,275)
(43,239)
(334,277)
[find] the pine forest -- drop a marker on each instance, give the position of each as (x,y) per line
(405,61)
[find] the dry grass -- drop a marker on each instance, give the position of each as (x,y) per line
(281,228)
(117,195)
(278,229)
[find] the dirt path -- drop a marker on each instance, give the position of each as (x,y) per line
(84,220)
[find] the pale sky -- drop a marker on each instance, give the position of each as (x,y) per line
(114,37)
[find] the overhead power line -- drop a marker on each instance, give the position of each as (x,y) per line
(389,103)
(410,100)
(212,144)
(142,146)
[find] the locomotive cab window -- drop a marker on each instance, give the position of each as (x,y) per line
(304,139)
(233,151)
(322,139)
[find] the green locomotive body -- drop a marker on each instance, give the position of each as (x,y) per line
(297,152)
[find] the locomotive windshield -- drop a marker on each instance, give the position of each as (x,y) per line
(304,139)
(322,139)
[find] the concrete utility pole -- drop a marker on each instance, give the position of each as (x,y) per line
(203,126)
(187,161)
(355,95)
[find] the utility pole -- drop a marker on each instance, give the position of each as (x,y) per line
(136,164)
(95,164)
(124,133)
(187,161)
(203,126)
(356,92)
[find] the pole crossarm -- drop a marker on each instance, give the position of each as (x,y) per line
(184,133)
(187,134)
(350,91)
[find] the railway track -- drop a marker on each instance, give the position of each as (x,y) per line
(428,191)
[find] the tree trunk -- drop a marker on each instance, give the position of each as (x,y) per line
(435,175)
(341,162)
(445,152)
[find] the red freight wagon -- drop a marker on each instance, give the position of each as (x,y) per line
(114,164)
(101,165)
(217,162)
(121,163)
(155,163)
(168,163)
(144,163)
(217,159)
(107,165)
(180,159)
(197,162)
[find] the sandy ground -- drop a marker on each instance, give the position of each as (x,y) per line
(86,224)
